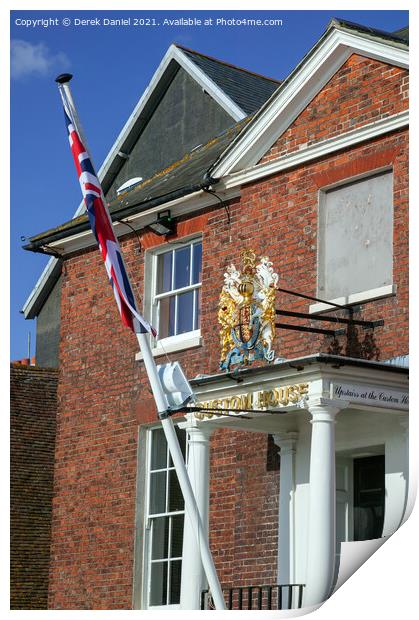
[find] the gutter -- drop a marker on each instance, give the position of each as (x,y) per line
(40,244)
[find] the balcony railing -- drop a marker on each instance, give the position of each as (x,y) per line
(273,596)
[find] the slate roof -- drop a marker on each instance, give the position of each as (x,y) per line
(403,33)
(247,89)
(399,36)
(179,179)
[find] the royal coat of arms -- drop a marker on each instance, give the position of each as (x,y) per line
(247,312)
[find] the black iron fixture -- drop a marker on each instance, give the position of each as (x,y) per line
(164,225)
(264,597)
(350,321)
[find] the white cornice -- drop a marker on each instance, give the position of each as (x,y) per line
(303,85)
(314,151)
(286,373)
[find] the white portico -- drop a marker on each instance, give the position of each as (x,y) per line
(341,425)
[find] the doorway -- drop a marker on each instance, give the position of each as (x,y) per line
(360,498)
(369,497)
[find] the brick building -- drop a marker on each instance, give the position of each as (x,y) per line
(311,172)
(33,408)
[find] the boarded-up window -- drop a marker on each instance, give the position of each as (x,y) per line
(356,237)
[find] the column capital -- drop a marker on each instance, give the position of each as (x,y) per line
(197,430)
(325,409)
(286,441)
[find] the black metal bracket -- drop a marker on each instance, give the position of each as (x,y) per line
(224,412)
(350,308)
(314,330)
(331,319)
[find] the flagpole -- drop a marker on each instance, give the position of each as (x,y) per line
(181,471)
(191,506)
(63,82)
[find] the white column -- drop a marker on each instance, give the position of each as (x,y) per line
(287,444)
(322,501)
(396,477)
(404,423)
(193,574)
(286,521)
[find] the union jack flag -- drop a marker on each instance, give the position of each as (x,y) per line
(101,224)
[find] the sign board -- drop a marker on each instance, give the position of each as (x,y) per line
(370,395)
(260,400)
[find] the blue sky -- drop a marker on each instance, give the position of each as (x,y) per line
(112,66)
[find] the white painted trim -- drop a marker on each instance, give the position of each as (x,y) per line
(304,83)
(181,206)
(355,298)
(209,86)
(173,344)
(42,280)
(317,150)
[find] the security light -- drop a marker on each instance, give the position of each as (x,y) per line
(164,225)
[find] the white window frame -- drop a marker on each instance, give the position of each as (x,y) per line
(362,296)
(148,529)
(178,342)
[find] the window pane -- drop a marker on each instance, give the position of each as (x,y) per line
(157,492)
(175,494)
(158,449)
(197,263)
(158,583)
(167,317)
(197,317)
(181,435)
(177,536)
(184,312)
(175,573)
(182,267)
(164,272)
(160,538)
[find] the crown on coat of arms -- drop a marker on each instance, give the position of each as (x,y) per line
(247,312)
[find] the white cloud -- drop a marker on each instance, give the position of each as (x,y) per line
(34,59)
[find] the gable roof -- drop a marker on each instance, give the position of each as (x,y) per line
(339,41)
(247,89)
(241,88)
(182,178)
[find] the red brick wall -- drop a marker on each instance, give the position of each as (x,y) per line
(361,92)
(288,204)
(103,392)
(244,507)
(33,409)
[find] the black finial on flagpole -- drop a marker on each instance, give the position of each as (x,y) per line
(63,78)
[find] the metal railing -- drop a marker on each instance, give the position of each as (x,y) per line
(266,597)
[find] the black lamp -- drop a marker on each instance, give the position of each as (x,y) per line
(164,225)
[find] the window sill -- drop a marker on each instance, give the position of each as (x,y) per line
(355,298)
(175,343)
